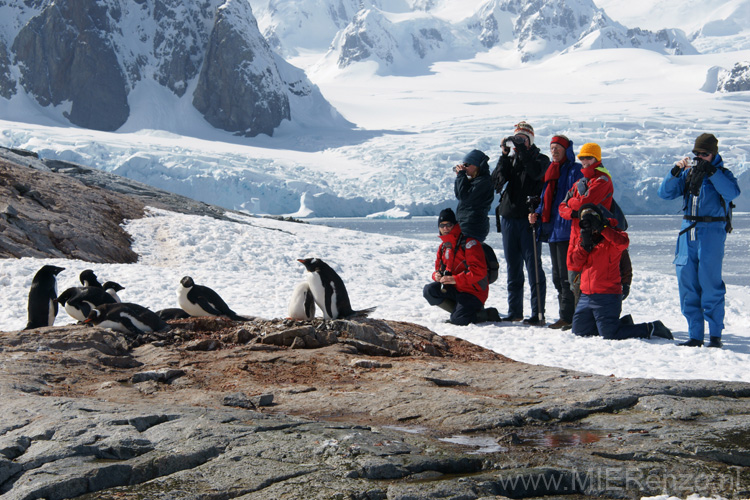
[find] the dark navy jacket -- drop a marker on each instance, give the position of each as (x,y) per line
(558,229)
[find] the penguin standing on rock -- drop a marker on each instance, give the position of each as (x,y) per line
(127,318)
(302,303)
(42,306)
(328,290)
(197,300)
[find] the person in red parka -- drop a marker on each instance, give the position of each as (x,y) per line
(597,254)
(596,188)
(460,284)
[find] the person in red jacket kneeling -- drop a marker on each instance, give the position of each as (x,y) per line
(597,253)
(460,284)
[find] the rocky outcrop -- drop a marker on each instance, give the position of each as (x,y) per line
(65,56)
(7,85)
(239,88)
(94,414)
(52,208)
(735,80)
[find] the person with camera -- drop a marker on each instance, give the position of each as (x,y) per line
(562,173)
(707,189)
(595,187)
(459,282)
(519,178)
(473,189)
(597,254)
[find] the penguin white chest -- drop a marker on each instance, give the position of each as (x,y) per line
(189,307)
(74,312)
(302,303)
(324,295)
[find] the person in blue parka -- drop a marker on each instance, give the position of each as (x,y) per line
(475,193)
(561,175)
(707,188)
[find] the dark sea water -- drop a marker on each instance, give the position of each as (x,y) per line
(652,239)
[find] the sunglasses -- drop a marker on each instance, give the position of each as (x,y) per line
(702,154)
(446,224)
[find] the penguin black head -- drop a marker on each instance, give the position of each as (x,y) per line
(187,282)
(49,270)
(111,285)
(88,278)
(311,264)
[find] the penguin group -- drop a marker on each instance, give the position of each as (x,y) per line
(99,304)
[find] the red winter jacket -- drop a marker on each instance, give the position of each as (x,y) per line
(595,187)
(466,264)
(600,268)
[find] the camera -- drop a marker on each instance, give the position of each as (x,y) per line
(443,287)
(692,162)
(518,140)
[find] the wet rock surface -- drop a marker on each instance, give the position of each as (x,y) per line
(90,413)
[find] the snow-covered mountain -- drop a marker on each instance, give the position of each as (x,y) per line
(584,76)
(404,39)
(86,62)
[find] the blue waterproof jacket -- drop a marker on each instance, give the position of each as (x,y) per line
(713,199)
(558,229)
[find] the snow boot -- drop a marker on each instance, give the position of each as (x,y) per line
(657,329)
(714,342)
(488,314)
(692,343)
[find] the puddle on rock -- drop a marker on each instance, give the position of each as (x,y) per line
(540,439)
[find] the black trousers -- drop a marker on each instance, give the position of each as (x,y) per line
(558,252)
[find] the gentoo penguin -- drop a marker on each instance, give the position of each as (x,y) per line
(329,291)
(42,307)
(88,278)
(172,313)
(79,301)
(126,317)
(302,303)
(197,300)
(112,288)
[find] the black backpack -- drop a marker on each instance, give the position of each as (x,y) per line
(493,266)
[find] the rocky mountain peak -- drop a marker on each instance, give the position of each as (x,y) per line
(85,58)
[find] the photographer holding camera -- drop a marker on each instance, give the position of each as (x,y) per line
(519,174)
(460,284)
(597,254)
(707,189)
(473,189)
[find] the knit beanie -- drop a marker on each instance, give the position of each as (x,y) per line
(708,143)
(561,140)
(475,157)
(447,215)
(525,129)
(591,149)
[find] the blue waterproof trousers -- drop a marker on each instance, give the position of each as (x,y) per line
(518,247)
(599,314)
(698,260)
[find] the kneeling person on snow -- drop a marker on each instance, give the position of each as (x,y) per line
(460,283)
(597,253)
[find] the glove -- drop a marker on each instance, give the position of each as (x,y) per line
(694,180)
(625,291)
(706,167)
(587,240)
(504,147)
(676,171)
